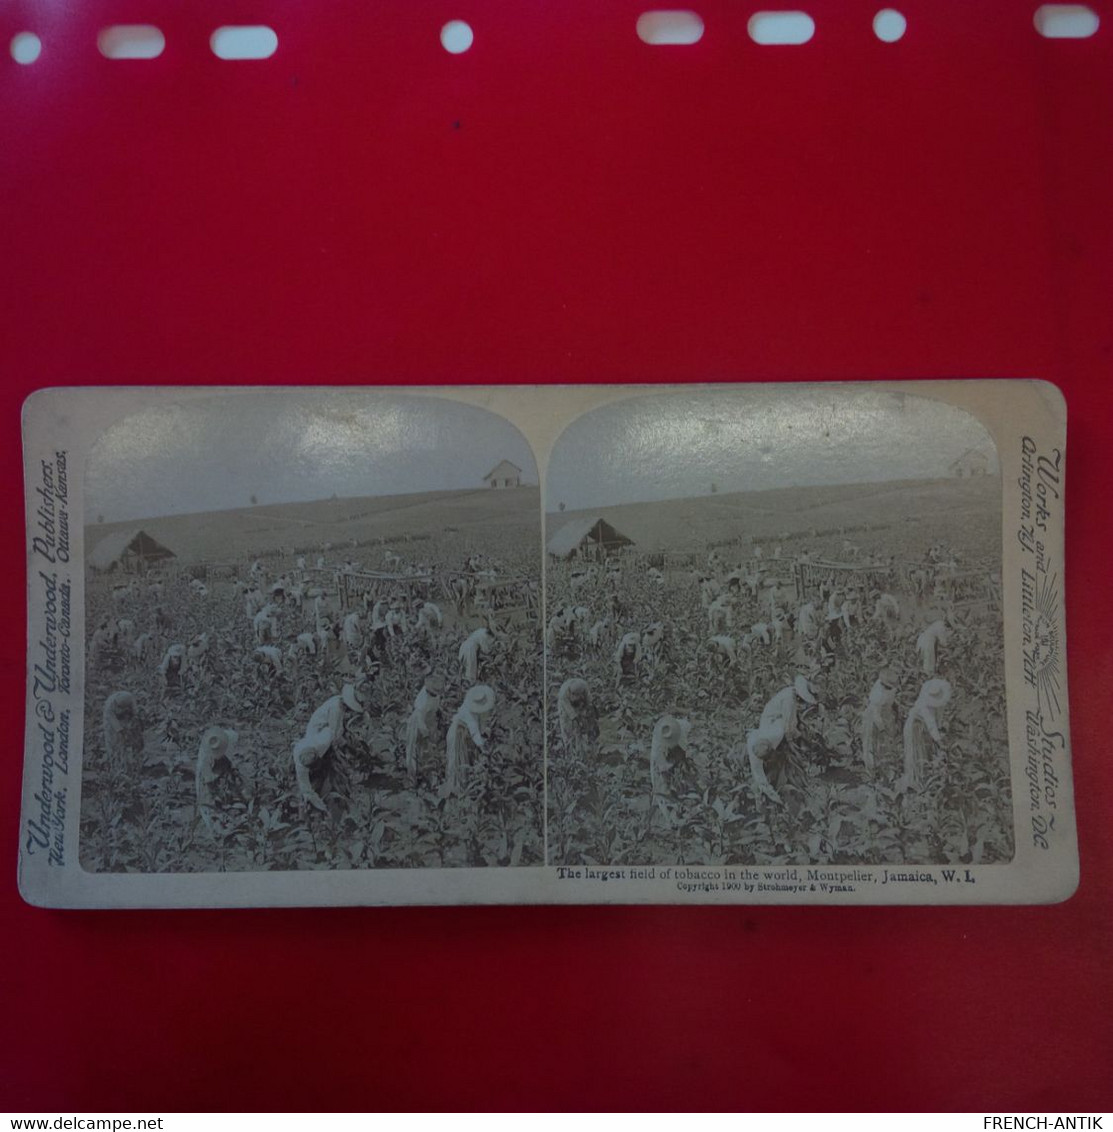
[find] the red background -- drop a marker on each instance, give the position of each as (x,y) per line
(564,203)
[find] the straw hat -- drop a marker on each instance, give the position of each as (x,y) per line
(479,699)
(217,742)
(575,690)
(804,689)
(121,703)
(935,694)
(673,732)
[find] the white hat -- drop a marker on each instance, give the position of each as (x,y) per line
(763,741)
(804,689)
(352,696)
(479,699)
(120,700)
(935,694)
(672,730)
(575,689)
(218,741)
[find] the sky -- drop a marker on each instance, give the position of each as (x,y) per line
(674,446)
(214,453)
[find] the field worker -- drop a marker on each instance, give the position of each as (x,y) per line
(782,628)
(320,765)
(851,608)
(807,622)
(172,666)
(598,631)
(265,625)
(576,716)
(421,726)
(466,725)
(396,621)
(760,632)
(834,626)
(671,772)
(351,632)
(301,561)
(927,644)
(306,644)
(723,650)
(880,717)
(653,640)
(767,759)
(781,708)
(627,659)
(142,647)
(217,782)
(123,731)
(482,640)
(886,609)
(429,618)
(197,651)
(102,641)
(252,603)
(269,659)
(709,591)
(921,729)
(720,614)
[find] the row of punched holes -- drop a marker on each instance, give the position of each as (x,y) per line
(657,28)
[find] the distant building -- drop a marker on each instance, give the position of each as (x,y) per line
(133,552)
(504,474)
(971,463)
(590,537)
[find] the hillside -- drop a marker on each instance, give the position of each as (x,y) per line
(215,536)
(917,512)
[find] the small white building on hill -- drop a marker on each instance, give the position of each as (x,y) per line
(971,463)
(504,474)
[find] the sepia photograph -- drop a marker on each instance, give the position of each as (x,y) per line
(774,633)
(312,637)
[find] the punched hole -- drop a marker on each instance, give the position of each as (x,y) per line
(26,47)
(889,25)
(663,28)
(244,41)
(780,28)
(457,37)
(1066,21)
(131,41)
